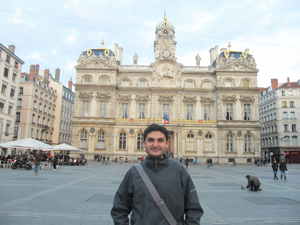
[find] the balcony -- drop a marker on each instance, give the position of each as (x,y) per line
(37,139)
(49,114)
(284,106)
(293,118)
(17,121)
(292,106)
(45,113)
(53,116)
(50,103)
(36,96)
(46,100)
(285,131)
(285,118)
(41,98)
(19,107)
(34,109)
(33,123)
(40,111)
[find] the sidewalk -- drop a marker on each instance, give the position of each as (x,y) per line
(84,195)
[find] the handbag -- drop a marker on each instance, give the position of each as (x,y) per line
(158,200)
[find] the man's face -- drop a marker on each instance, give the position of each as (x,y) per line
(156,144)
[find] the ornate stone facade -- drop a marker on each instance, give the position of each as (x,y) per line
(210,112)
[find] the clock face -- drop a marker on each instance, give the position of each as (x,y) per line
(165,43)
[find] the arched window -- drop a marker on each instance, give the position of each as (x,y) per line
(122,141)
(246,83)
(229,143)
(87,80)
(228,83)
(190,146)
(104,80)
(83,139)
(140,138)
(101,140)
(248,143)
(208,143)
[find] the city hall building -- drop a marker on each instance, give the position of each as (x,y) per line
(210,112)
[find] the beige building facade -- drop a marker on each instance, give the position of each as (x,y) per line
(210,111)
(279,108)
(39,114)
(10,74)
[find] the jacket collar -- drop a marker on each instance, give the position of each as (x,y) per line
(160,163)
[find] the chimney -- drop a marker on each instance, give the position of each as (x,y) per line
(57,74)
(212,55)
(116,50)
(46,76)
(11,48)
(274,83)
(288,80)
(70,84)
(32,69)
(217,51)
(120,54)
(36,73)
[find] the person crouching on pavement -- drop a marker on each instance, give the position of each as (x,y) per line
(253,183)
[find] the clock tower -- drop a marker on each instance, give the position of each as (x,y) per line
(165,44)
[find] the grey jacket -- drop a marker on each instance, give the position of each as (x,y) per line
(173,184)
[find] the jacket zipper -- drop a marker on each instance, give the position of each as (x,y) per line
(156,219)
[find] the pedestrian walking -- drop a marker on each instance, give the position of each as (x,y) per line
(55,160)
(187,162)
(210,163)
(176,194)
(283,169)
(275,169)
(196,160)
(207,163)
(38,158)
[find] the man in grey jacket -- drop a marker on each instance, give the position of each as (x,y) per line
(169,177)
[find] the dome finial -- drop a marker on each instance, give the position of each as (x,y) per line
(229,45)
(165,19)
(102,43)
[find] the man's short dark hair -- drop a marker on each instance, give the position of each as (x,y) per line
(247,176)
(156,127)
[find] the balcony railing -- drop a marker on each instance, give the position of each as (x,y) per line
(171,121)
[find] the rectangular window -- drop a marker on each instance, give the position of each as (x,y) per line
(102,109)
(3,89)
(295,141)
(19,104)
(18,116)
(8,58)
(285,128)
(285,115)
(293,116)
(37,134)
(142,111)
(207,112)
(283,93)
(14,77)
(12,93)
(229,111)
(6,71)
(247,112)
(294,128)
(21,90)
(189,112)
(290,93)
(166,111)
(124,110)
(10,107)
(85,108)
(31,132)
(33,118)
(7,129)
(1,106)
(16,65)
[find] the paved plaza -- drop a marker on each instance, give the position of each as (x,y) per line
(84,195)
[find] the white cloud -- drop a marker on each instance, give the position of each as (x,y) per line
(53,51)
(71,39)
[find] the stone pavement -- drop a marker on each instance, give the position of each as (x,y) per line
(84,195)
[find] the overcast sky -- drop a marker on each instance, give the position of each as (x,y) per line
(54,33)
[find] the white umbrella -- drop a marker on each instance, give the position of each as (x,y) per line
(27,143)
(66,147)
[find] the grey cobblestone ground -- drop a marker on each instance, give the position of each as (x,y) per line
(83,195)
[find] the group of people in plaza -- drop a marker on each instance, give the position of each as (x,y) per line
(260,162)
(282,168)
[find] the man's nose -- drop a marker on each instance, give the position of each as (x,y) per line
(155,144)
